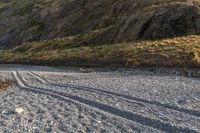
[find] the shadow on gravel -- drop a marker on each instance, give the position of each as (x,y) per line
(94,90)
(99,91)
(156,124)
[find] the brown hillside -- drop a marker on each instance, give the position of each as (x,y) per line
(112,21)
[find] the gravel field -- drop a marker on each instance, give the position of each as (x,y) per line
(61,100)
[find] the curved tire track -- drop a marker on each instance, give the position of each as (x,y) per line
(39,78)
(137,100)
(154,123)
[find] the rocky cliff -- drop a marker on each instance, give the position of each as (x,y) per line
(107,21)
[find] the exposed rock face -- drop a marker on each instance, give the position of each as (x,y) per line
(172,21)
(114,20)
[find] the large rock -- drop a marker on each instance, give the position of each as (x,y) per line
(166,21)
(175,20)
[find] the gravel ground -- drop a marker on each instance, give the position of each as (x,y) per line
(45,99)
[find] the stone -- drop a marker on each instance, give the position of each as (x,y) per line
(19,110)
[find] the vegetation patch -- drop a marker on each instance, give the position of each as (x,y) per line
(4,5)
(24,10)
(177,52)
(34,26)
(5,84)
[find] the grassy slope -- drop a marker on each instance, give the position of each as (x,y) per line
(176,52)
(77,50)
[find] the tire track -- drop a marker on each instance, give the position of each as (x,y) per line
(133,102)
(150,122)
(136,100)
(39,78)
(133,106)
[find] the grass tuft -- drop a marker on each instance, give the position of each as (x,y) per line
(5,84)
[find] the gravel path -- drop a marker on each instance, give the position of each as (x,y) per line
(71,101)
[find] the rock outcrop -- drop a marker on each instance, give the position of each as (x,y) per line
(113,21)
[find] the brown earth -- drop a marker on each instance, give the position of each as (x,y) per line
(4,85)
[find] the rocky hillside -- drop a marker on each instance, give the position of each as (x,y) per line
(105,21)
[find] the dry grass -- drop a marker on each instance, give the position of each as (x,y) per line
(4,84)
(176,52)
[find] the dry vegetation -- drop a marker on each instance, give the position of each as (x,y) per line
(103,32)
(176,52)
(4,84)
